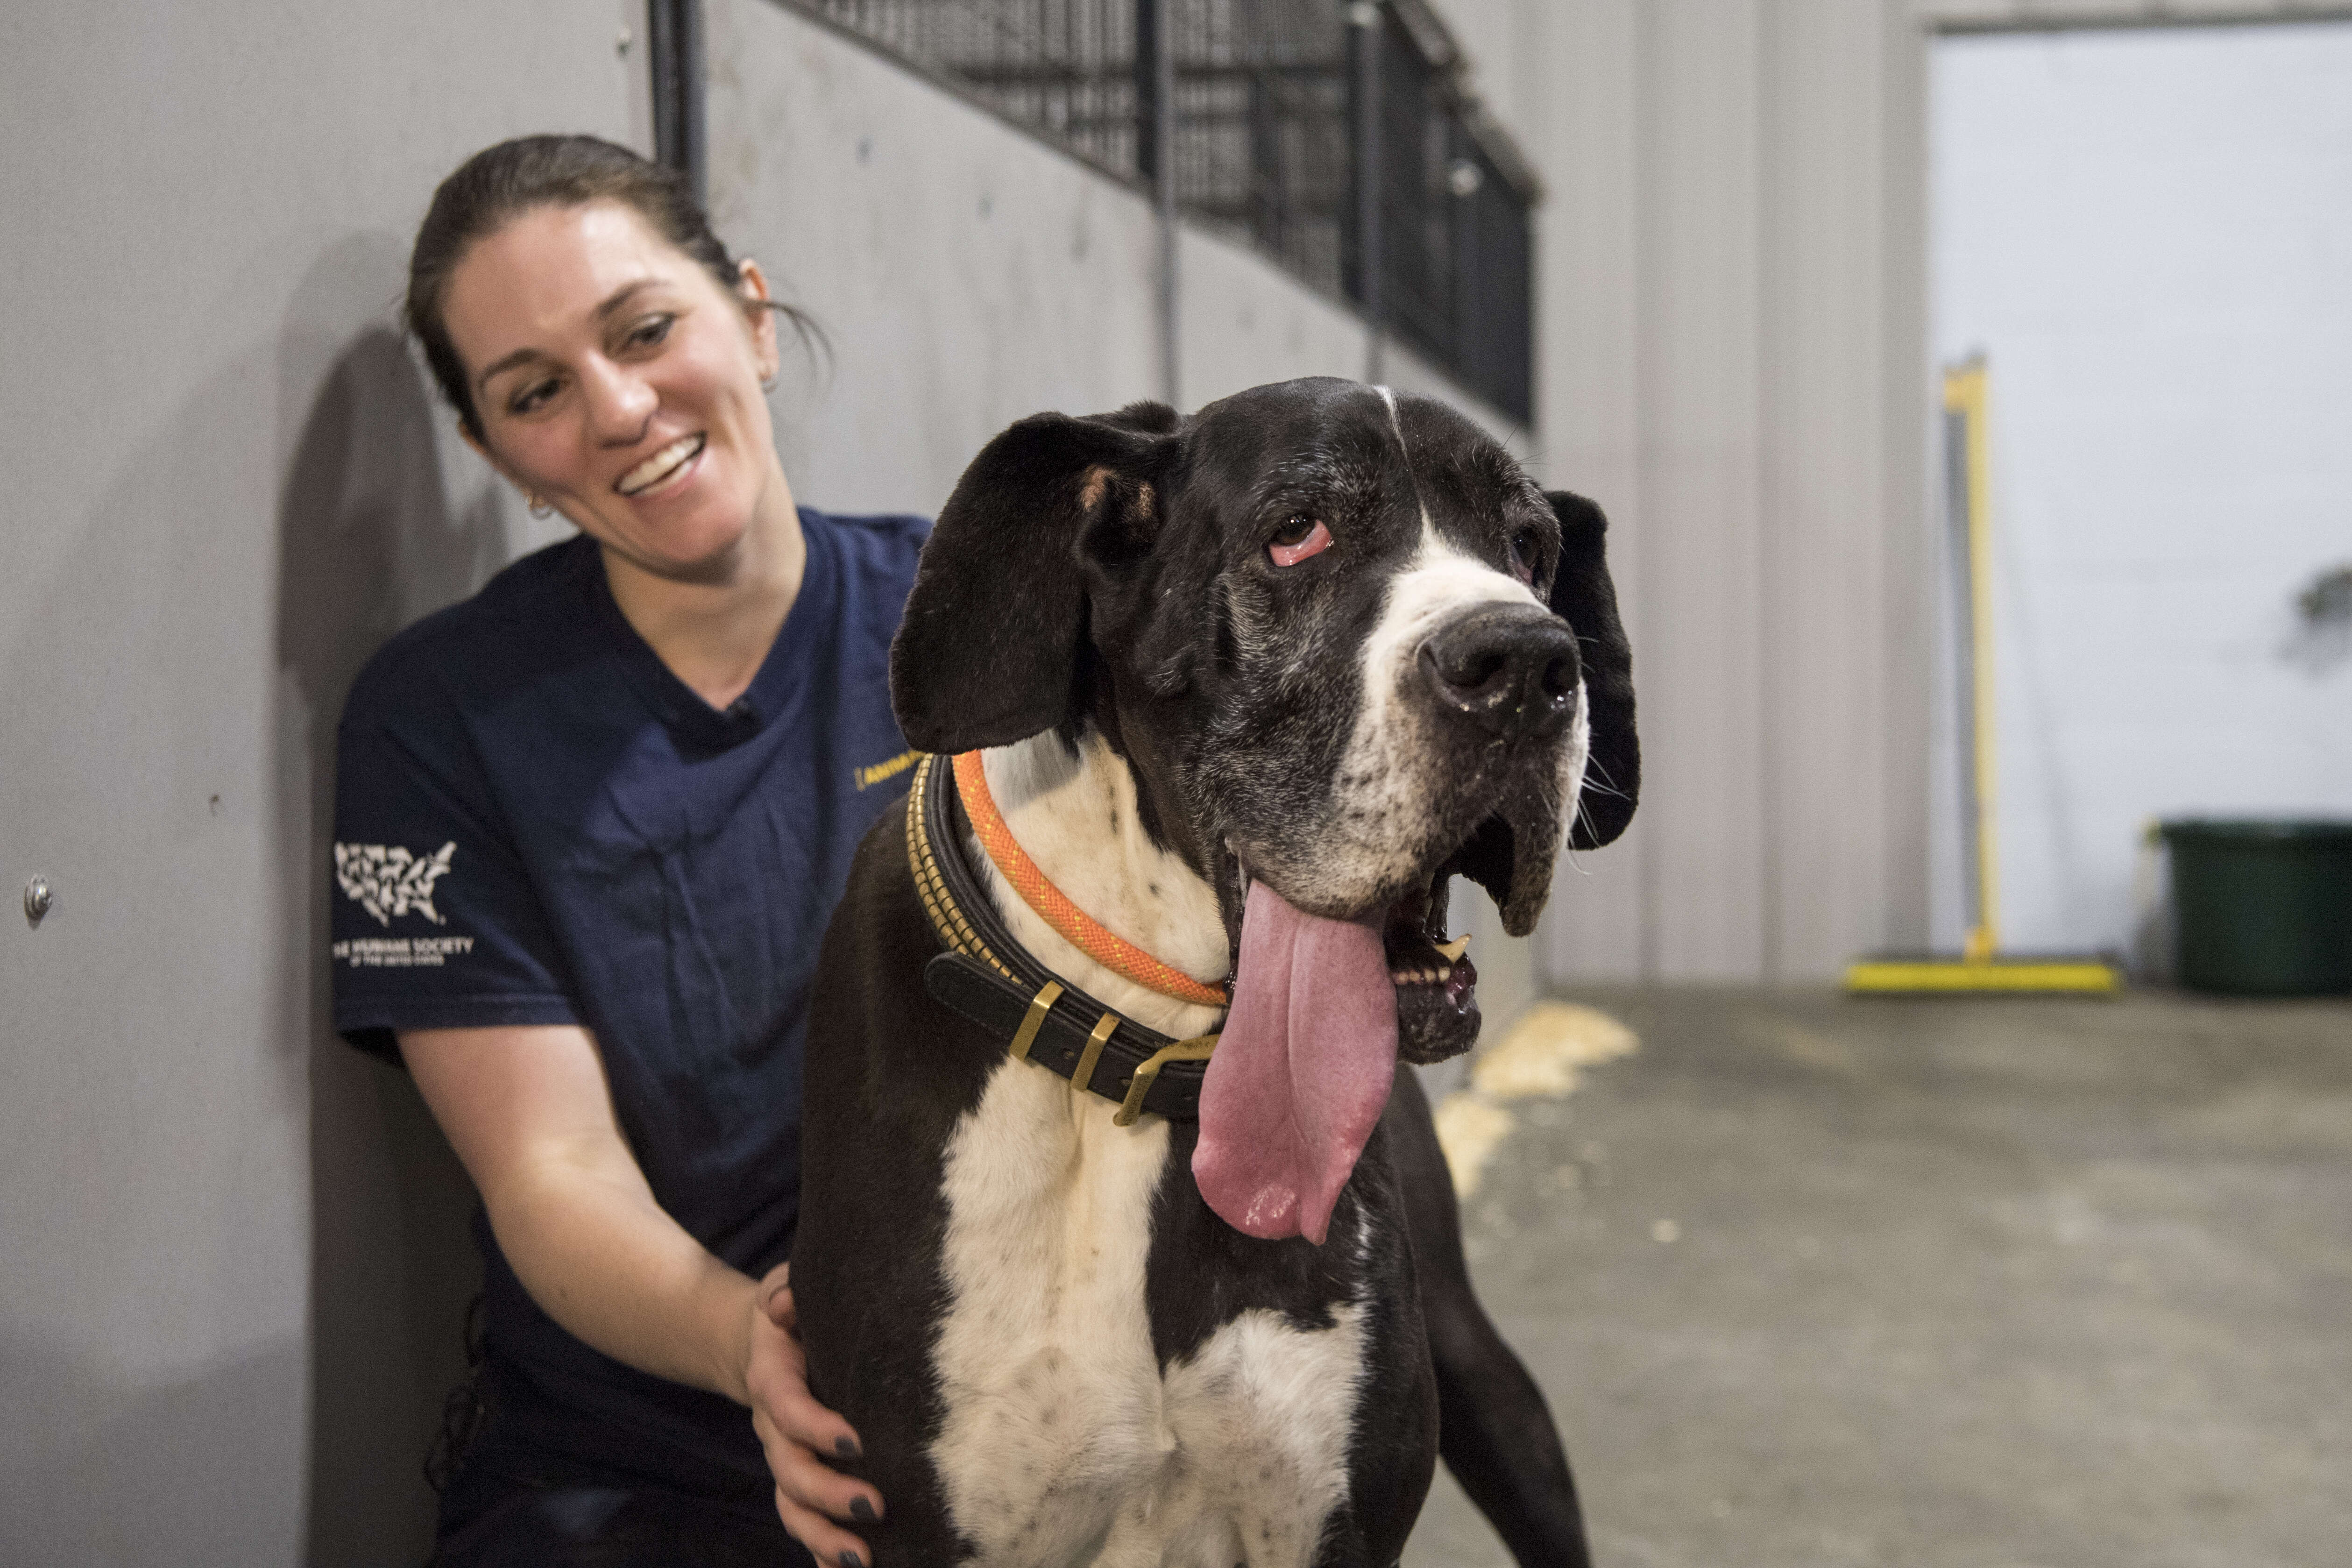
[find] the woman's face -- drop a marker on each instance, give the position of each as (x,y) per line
(616,378)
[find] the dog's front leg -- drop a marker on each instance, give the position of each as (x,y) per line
(1494,1430)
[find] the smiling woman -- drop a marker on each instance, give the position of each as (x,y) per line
(608,409)
(607,355)
(640,761)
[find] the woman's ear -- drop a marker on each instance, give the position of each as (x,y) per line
(752,287)
(1583,596)
(987,653)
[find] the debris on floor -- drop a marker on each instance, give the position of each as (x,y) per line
(1537,1060)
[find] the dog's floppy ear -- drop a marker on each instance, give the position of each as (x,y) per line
(987,653)
(1582,594)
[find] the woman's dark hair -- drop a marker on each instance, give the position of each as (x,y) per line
(500,183)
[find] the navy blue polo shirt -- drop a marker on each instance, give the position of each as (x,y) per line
(537,823)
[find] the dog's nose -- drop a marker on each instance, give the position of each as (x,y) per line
(1511,669)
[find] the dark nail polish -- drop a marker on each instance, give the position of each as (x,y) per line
(849,1559)
(846,1446)
(859,1508)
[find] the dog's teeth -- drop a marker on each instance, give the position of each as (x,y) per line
(1437,976)
(1454,950)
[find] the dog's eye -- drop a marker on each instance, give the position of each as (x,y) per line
(1298,538)
(1526,552)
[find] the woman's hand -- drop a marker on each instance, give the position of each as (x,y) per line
(795,1429)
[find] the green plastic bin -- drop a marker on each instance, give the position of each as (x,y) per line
(2264,907)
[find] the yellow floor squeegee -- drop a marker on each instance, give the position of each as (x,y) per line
(1982,966)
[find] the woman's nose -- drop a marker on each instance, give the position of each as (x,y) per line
(620,400)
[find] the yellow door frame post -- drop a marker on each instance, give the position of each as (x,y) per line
(1980,968)
(1964,396)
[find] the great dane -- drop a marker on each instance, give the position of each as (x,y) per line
(1217,706)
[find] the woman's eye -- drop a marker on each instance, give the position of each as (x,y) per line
(1298,538)
(650,330)
(531,397)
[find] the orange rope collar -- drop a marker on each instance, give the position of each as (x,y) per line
(1076,926)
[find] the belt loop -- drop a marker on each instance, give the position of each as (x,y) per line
(1082,1077)
(1196,1050)
(1039,1005)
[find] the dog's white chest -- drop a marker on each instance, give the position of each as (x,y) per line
(1063,1443)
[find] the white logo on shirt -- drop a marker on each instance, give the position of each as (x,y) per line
(388,881)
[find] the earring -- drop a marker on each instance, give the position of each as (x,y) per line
(538,506)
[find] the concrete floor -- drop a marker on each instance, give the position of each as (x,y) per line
(1959,1284)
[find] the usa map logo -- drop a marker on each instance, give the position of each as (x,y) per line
(389,880)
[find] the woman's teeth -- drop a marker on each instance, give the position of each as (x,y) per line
(659,466)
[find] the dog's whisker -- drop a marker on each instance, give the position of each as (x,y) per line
(1584,820)
(1594,766)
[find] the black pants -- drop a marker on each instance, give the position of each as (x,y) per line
(515,1499)
(492,1521)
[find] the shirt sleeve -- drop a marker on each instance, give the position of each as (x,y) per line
(435,923)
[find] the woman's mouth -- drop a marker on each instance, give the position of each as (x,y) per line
(663,467)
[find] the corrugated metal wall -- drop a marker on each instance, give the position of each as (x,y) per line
(1732,363)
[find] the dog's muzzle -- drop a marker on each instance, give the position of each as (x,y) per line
(1510,670)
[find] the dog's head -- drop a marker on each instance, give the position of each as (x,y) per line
(1347,647)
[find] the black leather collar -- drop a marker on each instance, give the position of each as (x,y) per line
(991,980)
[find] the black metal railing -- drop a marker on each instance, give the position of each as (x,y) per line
(1494,281)
(1065,68)
(1262,145)
(1283,111)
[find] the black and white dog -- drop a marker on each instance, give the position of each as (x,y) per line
(1248,687)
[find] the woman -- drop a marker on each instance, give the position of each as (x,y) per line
(590,825)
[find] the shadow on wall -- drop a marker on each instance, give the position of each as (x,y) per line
(2322,640)
(184,1443)
(367,543)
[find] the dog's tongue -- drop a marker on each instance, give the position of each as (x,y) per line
(1302,1072)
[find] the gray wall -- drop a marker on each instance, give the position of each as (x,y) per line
(234,1260)
(2053,15)
(1732,363)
